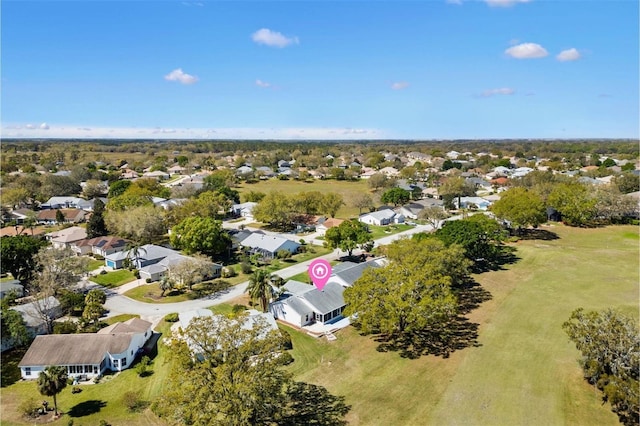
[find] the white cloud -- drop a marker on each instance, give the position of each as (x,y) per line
(44,126)
(181,76)
(29,126)
(568,55)
(500,91)
(527,51)
(287,133)
(504,3)
(273,38)
(261,83)
(399,85)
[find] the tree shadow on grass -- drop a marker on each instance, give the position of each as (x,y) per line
(460,333)
(86,408)
(537,234)
(505,255)
(9,370)
(470,296)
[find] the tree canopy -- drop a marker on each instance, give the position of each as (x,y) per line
(479,235)
(200,234)
(51,381)
(17,255)
(396,196)
(412,293)
(521,207)
(227,374)
(574,201)
(610,345)
(348,236)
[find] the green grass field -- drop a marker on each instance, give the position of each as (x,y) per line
(346,188)
(525,370)
(94,264)
(114,278)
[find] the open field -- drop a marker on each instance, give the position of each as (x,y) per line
(525,370)
(346,188)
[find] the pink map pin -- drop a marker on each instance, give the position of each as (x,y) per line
(320,271)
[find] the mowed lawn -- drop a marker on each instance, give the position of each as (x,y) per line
(346,188)
(524,372)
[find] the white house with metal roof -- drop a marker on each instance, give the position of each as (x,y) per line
(381,217)
(269,245)
(302,304)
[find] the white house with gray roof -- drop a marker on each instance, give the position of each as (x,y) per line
(269,245)
(381,217)
(302,304)
(87,354)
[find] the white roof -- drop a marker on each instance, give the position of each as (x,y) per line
(270,243)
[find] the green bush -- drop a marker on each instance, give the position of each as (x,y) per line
(136,273)
(143,367)
(148,280)
(286,339)
(98,257)
(103,272)
(29,408)
(133,402)
(286,358)
(65,327)
(236,309)
(173,317)
(283,254)
(228,272)
(246,268)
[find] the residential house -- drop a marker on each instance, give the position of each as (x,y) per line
(61,203)
(102,246)
(33,312)
(67,237)
(244,170)
(472,203)
(302,304)
(49,217)
(20,215)
(176,170)
(346,273)
(413,209)
(157,174)
(268,246)
(389,171)
(381,217)
(244,210)
(87,355)
(9,286)
(328,224)
(265,172)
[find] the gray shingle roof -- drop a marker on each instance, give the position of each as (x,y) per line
(354,271)
(327,300)
(74,349)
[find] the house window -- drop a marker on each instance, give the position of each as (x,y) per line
(123,362)
(27,371)
(131,352)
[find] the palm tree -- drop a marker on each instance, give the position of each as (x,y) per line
(259,288)
(51,382)
(133,253)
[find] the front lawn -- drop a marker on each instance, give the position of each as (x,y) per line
(151,293)
(377,232)
(94,264)
(114,278)
(119,318)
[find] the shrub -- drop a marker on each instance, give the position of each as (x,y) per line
(228,272)
(142,368)
(29,408)
(136,273)
(286,358)
(98,257)
(148,280)
(286,339)
(104,423)
(236,309)
(283,254)
(245,267)
(302,241)
(103,272)
(173,317)
(132,401)
(65,327)
(76,389)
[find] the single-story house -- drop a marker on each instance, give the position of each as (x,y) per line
(67,237)
(176,170)
(413,209)
(381,217)
(49,217)
(20,215)
(302,304)
(244,209)
(61,203)
(156,271)
(157,174)
(87,354)
(269,245)
(9,286)
(32,314)
(346,273)
(328,224)
(472,202)
(102,246)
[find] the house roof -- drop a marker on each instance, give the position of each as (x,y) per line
(303,297)
(69,235)
(132,325)
(74,349)
(30,313)
(69,214)
(330,223)
(380,214)
(105,243)
(349,272)
(270,243)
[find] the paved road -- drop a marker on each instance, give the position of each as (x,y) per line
(119,304)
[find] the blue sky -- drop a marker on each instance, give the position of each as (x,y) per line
(320,70)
